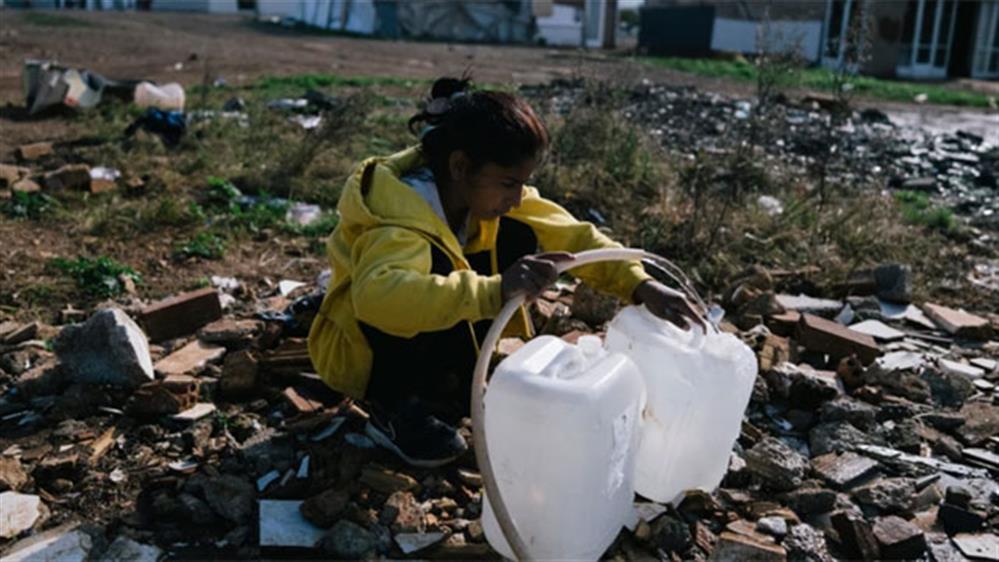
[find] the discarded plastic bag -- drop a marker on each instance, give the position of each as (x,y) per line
(169,125)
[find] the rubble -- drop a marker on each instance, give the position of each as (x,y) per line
(776,464)
(898,539)
(191,358)
(281,524)
(66,543)
(69,177)
(34,151)
(958,322)
(823,335)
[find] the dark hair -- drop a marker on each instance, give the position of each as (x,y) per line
(486,125)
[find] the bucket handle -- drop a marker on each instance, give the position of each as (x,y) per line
(506,523)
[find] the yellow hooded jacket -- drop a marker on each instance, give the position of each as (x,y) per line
(380,255)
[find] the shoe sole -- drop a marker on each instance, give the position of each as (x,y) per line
(383,440)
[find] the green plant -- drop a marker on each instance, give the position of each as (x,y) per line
(917,209)
(24,205)
(99,277)
(204,245)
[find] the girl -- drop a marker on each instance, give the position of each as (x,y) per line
(431,242)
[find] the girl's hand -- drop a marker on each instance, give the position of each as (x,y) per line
(531,275)
(668,304)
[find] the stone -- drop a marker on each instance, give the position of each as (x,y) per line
(983,546)
(19,513)
(898,539)
(348,540)
(155,399)
(324,509)
(981,457)
(26,185)
(776,464)
(844,470)
(959,520)
(10,174)
(195,413)
(195,510)
(957,368)
(230,497)
(124,549)
(878,330)
(958,322)
(856,536)
(34,151)
(191,358)
(671,534)
(944,421)
(66,543)
(826,336)
(239,374)
(859,414)
(404,514)
(893,283)
(70,176)
(42,380)
(593,307)
(805,544)
(981,423)
(386,481)
(809,500)
(233,334)
(181,314)
(837,436)
(927,184)
(900,383)
(282,524)
(12,475)
(887,495)
(732,547)
(109,348)
(413,542)
(947,389)
(773,526)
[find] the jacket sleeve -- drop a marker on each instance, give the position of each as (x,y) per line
(557,230)
(393,289)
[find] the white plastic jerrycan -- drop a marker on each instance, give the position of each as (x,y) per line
(166,97)
(562,430)
(698,388)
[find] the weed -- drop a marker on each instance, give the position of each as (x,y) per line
(23,205)
(204,245)
(99,277)
(917,209)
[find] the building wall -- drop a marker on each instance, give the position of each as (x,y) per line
(742,36)
(886,19)
(209,6)
(563,27)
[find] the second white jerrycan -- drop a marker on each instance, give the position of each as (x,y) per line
(562,429)
(698,388)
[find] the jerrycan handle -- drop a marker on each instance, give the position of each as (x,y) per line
(506,523)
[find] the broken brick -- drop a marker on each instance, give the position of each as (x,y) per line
(826,336)
(732,547)
(25,186)
(34,151)
(899,539)
(189,359)
(773,351)
(239,373)
(784,324)
(181,314)
(10,174)
(386,481)
(302,404)
(958,322)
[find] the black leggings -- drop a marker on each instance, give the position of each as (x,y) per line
(436,367)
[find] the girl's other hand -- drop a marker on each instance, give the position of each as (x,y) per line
(668,304)
(531,275)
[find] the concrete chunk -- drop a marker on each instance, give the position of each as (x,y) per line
(282,524)
(898,539)
(109,348)
(844,470)
(18,513)
(63,544)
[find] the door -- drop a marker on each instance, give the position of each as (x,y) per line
(927,34)
(985,60)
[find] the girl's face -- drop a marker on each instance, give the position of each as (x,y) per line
(492,190)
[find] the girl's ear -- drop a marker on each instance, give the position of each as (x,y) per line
(459,166)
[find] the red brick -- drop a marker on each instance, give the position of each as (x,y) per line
(784,324)
(732,547)
(958,322)
(181,314)
(826,336)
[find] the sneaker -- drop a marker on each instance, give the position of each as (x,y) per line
(416,437)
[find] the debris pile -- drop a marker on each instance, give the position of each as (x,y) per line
(186,428)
